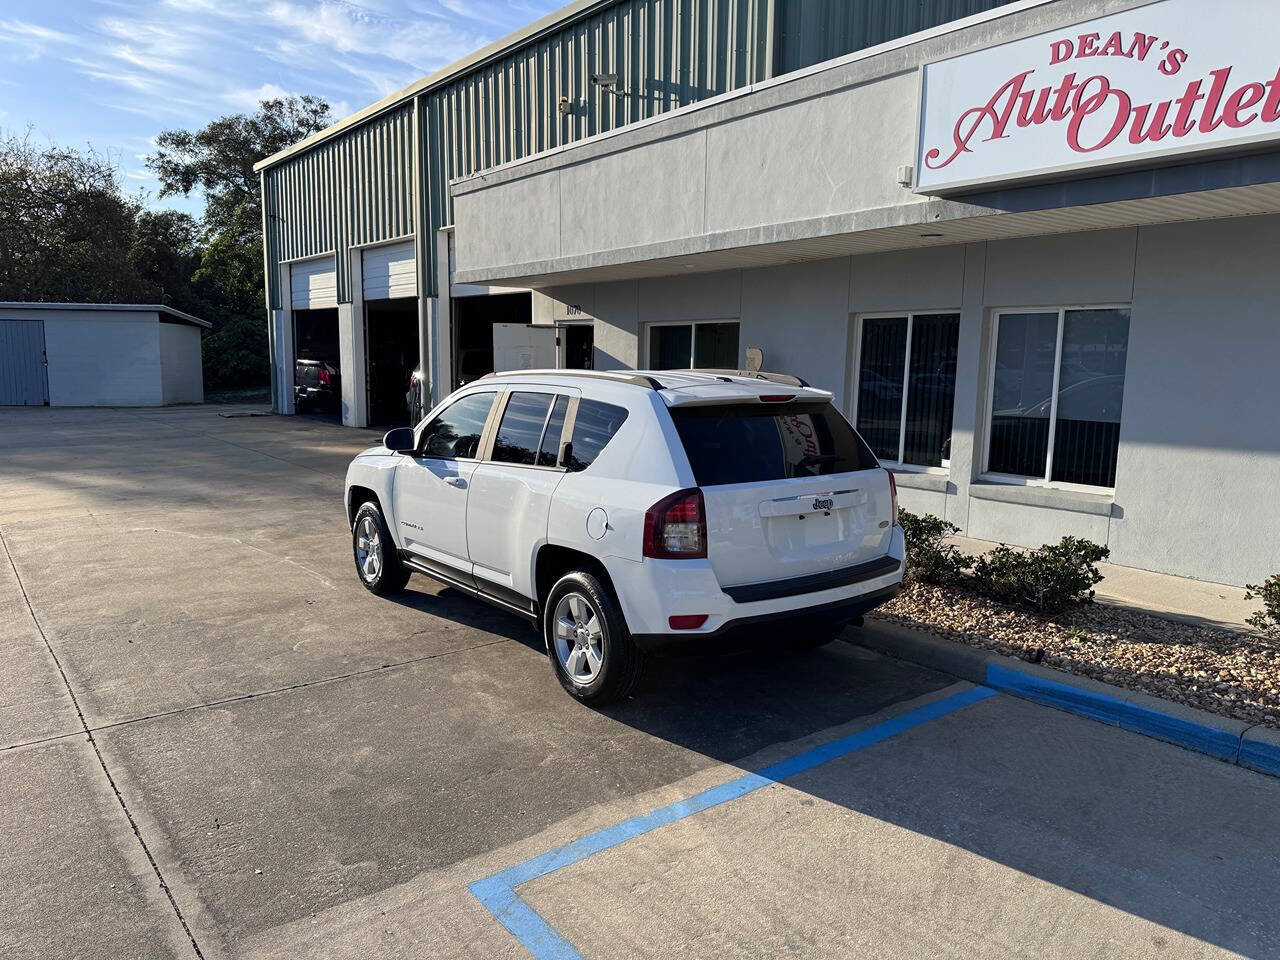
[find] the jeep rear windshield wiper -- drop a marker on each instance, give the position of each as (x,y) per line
(813,459)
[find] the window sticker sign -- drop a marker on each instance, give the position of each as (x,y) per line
(1171,78)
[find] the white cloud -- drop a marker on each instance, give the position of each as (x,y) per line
(381,82)
(135,80)
(32,41)
(23,30)
(350,28)
(247,98)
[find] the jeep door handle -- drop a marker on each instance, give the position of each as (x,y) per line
(456,482)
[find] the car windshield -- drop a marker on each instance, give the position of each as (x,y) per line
(757,443)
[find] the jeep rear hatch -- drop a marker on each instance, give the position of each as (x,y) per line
(790,489)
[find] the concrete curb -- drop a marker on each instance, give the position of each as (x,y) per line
(1234,741)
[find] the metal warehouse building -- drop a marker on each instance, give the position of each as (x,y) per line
(1028,245)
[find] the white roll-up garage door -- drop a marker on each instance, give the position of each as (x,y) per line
(390,272)
(313,284)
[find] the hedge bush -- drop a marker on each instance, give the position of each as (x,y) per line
(931,558)
(1047,580)
(1266,620)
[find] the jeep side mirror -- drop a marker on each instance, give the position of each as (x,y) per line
(399,440)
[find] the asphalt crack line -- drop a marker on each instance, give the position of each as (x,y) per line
(133,824)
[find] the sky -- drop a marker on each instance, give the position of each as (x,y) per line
(114,73)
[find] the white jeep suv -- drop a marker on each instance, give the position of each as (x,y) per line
(623,511)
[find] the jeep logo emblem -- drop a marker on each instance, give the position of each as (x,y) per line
(823,503)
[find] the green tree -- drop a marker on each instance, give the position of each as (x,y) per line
(165,255)
(66,230)
(217,160)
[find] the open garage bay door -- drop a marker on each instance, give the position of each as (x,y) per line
(313,284)
(23,382)
(391,350)
(389,279)
(390,272)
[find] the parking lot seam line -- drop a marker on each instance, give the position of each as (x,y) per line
(260,693)
(498,891)
(111,781)
(232,443)
(1222,744)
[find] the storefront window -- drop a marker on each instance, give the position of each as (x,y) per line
(1058,385)
(701,345)
(907,386)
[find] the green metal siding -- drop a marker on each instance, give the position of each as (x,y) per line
(811,31)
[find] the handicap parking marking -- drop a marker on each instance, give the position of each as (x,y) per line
(498,891)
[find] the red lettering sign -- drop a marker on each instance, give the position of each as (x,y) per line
(1096,112)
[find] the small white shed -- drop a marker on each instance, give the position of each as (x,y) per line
(99,355)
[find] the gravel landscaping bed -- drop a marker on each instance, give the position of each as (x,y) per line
(1228,673)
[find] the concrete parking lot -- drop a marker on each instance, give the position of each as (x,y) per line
(214,742)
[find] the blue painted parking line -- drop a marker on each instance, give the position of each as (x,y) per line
(498,892)
(1223,744)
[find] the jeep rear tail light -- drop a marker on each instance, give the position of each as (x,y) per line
(324,376)
(893,497)
(675,528)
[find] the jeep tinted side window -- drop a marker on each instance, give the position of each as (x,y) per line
(455,432)
(549,452)
(594,427)
(521,428)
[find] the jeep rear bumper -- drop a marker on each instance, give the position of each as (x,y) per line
(768,626)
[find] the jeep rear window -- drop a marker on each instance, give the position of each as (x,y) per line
(757,443)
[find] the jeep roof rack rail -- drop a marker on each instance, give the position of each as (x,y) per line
(785,379)
(639,379)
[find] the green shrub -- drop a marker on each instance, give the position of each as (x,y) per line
(1266,620)
(1049,580)
(930,558)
